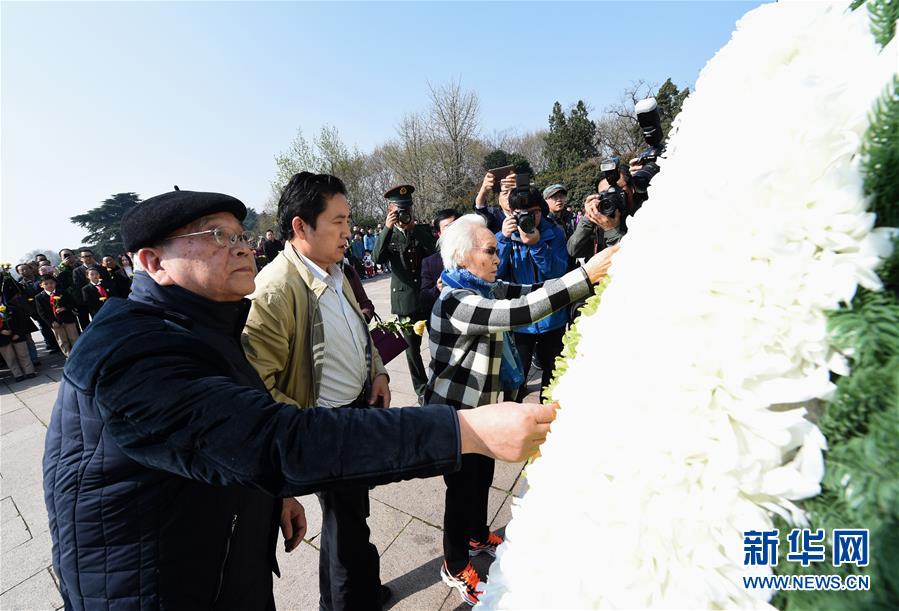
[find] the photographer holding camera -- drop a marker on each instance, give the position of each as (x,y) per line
(605,212)
(531,250)
(403,244)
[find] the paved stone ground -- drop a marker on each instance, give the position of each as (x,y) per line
(405,517)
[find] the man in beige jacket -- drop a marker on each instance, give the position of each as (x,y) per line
(309,341)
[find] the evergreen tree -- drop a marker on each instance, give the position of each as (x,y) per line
(104,223)
(670,100)
(571,139)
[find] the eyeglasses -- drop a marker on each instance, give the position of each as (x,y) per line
(222,237)
(490,250)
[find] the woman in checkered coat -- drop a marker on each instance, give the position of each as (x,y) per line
(473,360)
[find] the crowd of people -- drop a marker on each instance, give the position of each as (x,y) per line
(59,300)
(201,416)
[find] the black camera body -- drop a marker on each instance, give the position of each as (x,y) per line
(651,124)
(520,202)
(613,198)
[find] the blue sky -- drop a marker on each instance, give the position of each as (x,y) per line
(100,98)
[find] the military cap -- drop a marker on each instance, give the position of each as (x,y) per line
(155,218)
(401,195)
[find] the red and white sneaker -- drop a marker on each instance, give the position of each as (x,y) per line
(465,581)
(487,547)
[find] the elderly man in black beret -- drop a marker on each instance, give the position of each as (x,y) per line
(166,460)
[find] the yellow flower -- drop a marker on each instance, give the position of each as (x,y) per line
(419,327)
(2,308)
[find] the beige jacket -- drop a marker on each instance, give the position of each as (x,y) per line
(284,336)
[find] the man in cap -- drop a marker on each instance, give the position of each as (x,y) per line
(556,197)
(166,460)
(404,244)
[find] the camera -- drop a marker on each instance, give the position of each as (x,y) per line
(651,124)
(520,202)
(613,198)
(403,216)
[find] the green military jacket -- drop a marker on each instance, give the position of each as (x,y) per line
(405,251)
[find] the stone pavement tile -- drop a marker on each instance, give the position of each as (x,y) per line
(36,386)
(13,533)
(505,474)
(421,498)
(8,510)
(42,406)
(11,422)
(385,523)
(495,500)
(454,602)
(503,516)
(22,454)
(402,399)
(9,402)
(411,568)
(26,560)
(37,592)
(297,589)
(31,506)
(401,382)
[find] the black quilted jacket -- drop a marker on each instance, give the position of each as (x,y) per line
(165,459)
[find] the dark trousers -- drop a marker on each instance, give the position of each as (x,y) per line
(84,317)
(465,511)
(413,355)
(348,565)
(547,345)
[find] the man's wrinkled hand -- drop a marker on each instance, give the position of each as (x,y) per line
(505,431)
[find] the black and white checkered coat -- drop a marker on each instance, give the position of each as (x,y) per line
(466,334)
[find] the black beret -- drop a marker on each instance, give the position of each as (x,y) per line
(155,218)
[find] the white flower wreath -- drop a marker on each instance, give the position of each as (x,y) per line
(684,423)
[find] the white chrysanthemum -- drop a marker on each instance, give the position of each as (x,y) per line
(682,421)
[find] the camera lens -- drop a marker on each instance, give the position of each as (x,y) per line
(526,222)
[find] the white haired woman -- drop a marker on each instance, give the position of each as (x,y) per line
(473,360)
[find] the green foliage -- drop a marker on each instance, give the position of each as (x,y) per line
(670,100)
(500,158)
(104,223)
(884,14)
(571,139)
(880,157)
(580,180)
(861,423)
(889,270)
(858,399)
(249,221)
(495,159)
(869,329)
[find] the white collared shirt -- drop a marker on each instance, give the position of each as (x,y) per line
(343,367)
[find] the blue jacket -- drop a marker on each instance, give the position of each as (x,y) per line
(166,460)
(357,248)
(523,264)
(369,242)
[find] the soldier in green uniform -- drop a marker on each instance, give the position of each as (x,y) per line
(404,243)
